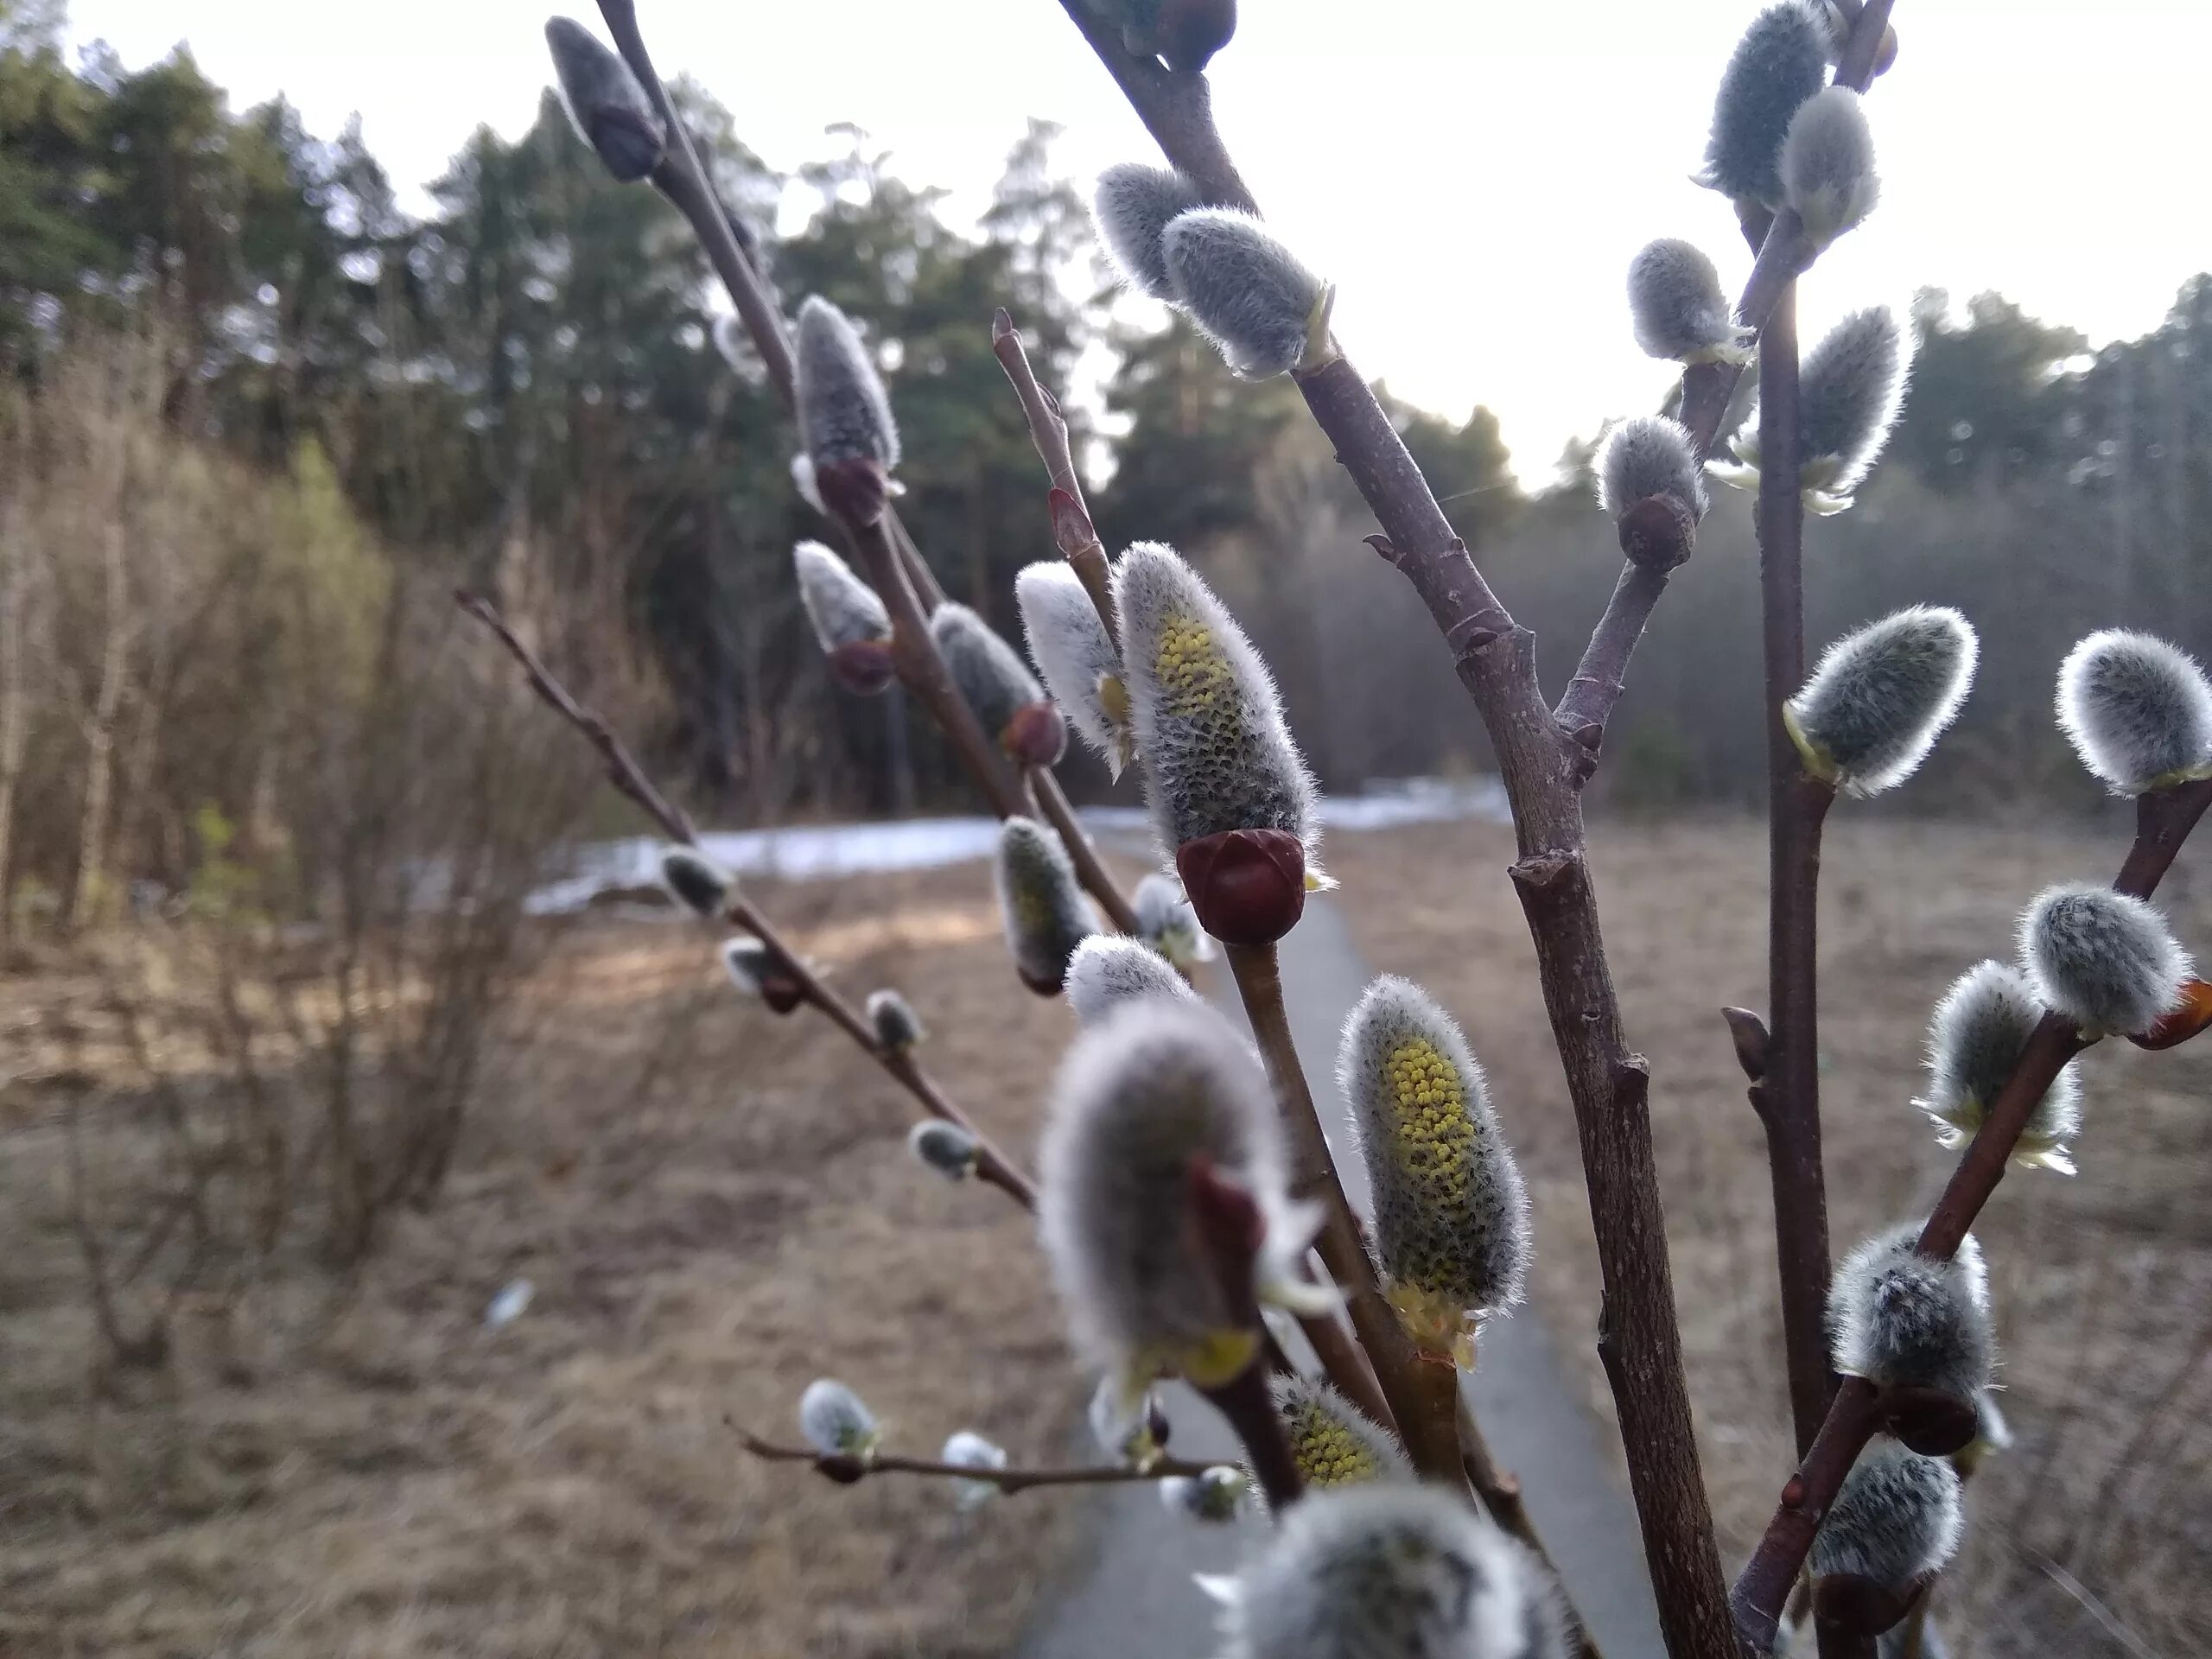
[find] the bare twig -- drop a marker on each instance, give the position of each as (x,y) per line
(1089,870)
(628,777)
(2163,820)
(846,1470)
(1072,530)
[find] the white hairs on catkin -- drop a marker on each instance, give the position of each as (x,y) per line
(1393,1570)
(843,610)
(893,1019)
(1677,309)
(1161,1083)
(2136,711)
(1332,1441)
(1850,391)
(1450,1229)
(844,413)
(2105,960)
(1245,291)
(836,1422)
(1647,456)
(1827,164)
(1071,650)
(1108,970)
(1881,697)
(1132,208)
(1974,1041)
(606,107)
(945,1148)
(1217,753)
(697,882)
(1166,922)
(1903,1320)
(1040,904)
(1897,1519)
(989,673)
(1782,61)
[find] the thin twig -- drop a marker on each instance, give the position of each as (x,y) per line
(1072,530)
(1090,869)
(846,1469)
(628,777)
(2163,820)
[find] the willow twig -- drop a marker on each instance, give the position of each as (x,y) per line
(1072,530)
(629,778)
(846,1469)
(2163,820)
(1090,869)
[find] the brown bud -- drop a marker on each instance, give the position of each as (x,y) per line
(782,993)
(1247,887)
(1932,1421)
(1846,1603)
(1072,530)
(864,666)
(855,491)
(1885,54)
(1192,31)
(2189,1016)
(1036,736)
(845,1470)
(1658,533)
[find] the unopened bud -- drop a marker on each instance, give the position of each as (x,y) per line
(1827,164)
(1041,904)
(1133,208)
(945,1148)
(1108,970)
(1782,61)
(1331,1440)
(1881,697)
(2105,961)
(836,1422)
(966,1449)
(997,685)
(1451,1227)
(1677,309)
(1647,456)
(893,1019)
(697,882)
(844,413)
(608,107)
(1903,1321)
(1083,671)
(1265,312)
(758,970)
(850,623)
(2137,711)
(1215,1496)
(1134,1431)
(1980,1030)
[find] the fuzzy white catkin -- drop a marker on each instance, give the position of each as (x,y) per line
(1132,208)
(1332,1441)
(1070,648)
(844,413)
(836,1420)
(1975,1040)
(749,963)
(2105,960)
(1782,61)
(1040,903)
(945,1148)
(1166,922)
(1850,391)
(1217,753)
(966,1449)
(893,1019)
(1882,696)
(989,674)
(1647,456)
(843,610)
(1159,1083)
(1247,292)
(1108,970)
(697,882)
(1677,309)
(1827,164)
(1120,1425)
(608,107)
(1214,1495)
(2136,711)
(1393,1570)
(1903,1320)
(1451,1225)
(1896,1518)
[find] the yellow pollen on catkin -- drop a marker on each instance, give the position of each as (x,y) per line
(1191,668)
(1434,1131)
(1327,1453)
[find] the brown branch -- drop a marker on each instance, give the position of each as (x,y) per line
(1788,1094)
(846,1470)
(629,778)
(1432,1441)
(1090,869)
(1072,530)
(2163,820)
(1601,677)
(1500,1491)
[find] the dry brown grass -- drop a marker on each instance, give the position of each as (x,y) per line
(715,1207)
(2103,1282)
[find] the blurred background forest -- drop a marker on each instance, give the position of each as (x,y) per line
(259,422)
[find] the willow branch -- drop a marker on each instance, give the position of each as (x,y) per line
(1090,869)
(1432,1441)
(2163,820)
(1500,1493)
(846,1470)
(629,778)
(1073,533)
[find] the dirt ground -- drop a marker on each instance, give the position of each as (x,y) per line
(2094,1536)
(715,1206)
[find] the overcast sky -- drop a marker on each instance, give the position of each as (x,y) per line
(1473,174)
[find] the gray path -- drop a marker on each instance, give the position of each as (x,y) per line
(1127,1594)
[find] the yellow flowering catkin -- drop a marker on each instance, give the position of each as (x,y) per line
(1332,1441)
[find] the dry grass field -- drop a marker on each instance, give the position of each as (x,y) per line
(2093,1537)
(715,1206)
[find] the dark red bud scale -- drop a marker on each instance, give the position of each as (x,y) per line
(864,666)
(1247,887)
(1856,1606)
(1036,736)
(2189,1017)
(856,492)
(1072,530)
(1930,1421)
